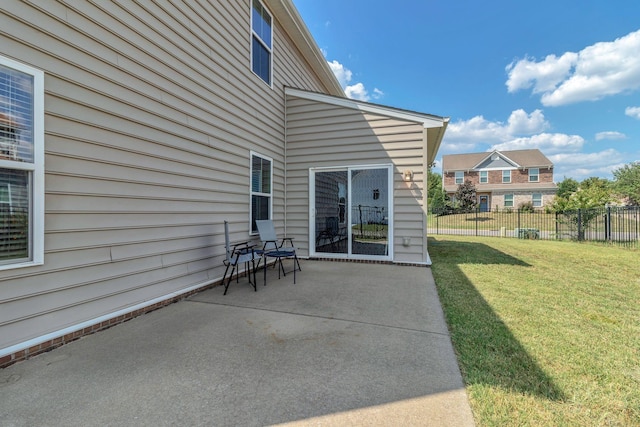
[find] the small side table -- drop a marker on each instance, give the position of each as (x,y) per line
(278,255)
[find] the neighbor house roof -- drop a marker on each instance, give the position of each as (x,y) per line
(521,158)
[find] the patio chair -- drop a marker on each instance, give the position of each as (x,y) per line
(238,254)
(272,249)
(331,232)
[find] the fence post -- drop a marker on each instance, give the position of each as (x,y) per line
(518,223)
(580,236)
(607,224)
(477,209)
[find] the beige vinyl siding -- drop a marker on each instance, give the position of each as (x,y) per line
(151,110)
(324,135)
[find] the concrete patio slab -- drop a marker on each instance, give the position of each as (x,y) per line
(349,344)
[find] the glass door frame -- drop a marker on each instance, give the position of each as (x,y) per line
(312,212)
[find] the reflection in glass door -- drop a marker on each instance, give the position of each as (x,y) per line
(370,211)
(351,212)
(331,212)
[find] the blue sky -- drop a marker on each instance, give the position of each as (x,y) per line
(562,76)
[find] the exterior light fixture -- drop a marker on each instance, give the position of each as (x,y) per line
(407,174)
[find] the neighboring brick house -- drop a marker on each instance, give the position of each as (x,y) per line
(503,179)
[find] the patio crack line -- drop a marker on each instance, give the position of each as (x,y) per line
(425,331)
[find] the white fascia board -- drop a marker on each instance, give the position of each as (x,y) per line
(428,121)
(515,165)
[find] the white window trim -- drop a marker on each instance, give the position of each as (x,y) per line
(480,177)
(504,203)
(455,177)
(37,167)
(253,34)
(252,193)
(537,175)
(509,180)
(533,200)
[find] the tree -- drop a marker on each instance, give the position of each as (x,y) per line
(579,208)
(627,182)
(466,195)
(436,196)
(567,187)
(591,193)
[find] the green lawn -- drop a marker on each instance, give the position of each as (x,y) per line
(546,332)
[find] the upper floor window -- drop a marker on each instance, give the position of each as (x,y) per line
(21,165)
(534,174)
(506,176)
(261,189)
(459,177)
(261,41)
(484,177)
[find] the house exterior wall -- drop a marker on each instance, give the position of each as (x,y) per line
(323,135)
(524,196)
(518,176)
(520,187)
(150,116)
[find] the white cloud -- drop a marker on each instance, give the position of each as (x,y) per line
(633,112)
(342,74)
(580,166)
(478,130)
(545,142)
(610,135)
(544,76)
(353,91)
(599,70)
(357,91)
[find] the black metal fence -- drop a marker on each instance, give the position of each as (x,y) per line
(616,225)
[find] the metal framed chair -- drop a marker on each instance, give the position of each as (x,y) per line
(238,254)
(272,249)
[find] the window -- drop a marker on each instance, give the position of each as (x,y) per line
(484,177)
(261,37)
(506,176)
(536,199)
(261,189)
(459,177)
(534,175)
(508,200)
(21,165)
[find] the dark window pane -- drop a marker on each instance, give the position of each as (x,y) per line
(261,23)
(261,175)
(261,61)
(14,214)
(260,210)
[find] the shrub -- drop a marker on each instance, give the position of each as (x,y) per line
(526,207)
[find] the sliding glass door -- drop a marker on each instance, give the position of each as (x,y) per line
(350,212)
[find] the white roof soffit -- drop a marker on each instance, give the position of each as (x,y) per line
(287,14)
(428,121)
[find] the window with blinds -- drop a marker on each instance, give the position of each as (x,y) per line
(21,152)
(261,185)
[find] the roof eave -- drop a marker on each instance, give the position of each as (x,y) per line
(287,14)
